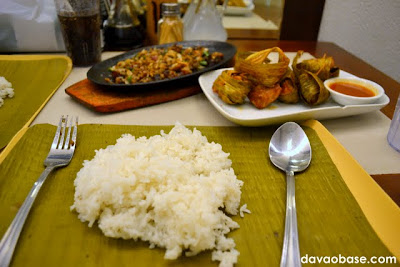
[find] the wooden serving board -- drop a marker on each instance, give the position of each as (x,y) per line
(106,99)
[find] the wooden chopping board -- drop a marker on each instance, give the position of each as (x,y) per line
(104,99)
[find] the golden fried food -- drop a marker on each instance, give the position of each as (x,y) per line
(312,89)
(259,67)
(323,67)
(261,96)
(238,3)
(290,92)
(232,87)
(269,81)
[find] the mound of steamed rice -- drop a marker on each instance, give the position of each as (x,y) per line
(6,90)
(171,190)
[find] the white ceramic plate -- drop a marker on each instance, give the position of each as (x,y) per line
(248,115)
(238,11)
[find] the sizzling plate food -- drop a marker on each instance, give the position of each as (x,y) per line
(263,82)
(162,63)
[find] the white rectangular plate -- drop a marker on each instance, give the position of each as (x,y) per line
(238,11)
(248,115)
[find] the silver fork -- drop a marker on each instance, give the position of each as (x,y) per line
(61,152)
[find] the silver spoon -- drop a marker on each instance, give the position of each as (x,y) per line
(290,151)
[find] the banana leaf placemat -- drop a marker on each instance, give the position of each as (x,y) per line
(34,78)
(330,221)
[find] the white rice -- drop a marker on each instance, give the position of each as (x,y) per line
(6,90)
(243,209)
(170,189)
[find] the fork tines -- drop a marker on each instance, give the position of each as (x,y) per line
(66,141)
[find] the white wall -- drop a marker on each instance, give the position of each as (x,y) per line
(369,29)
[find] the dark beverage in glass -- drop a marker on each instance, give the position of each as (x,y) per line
(81,33)
(123,37)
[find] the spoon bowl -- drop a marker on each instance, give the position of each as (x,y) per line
(289,148)
(290,151)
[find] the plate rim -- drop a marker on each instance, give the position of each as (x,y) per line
(235,10)
(231,51)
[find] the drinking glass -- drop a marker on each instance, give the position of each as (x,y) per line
(393,136)
(80,27)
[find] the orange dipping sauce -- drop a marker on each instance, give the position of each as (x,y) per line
(352,89)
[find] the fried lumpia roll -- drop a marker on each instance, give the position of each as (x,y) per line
(261,96)
(259,67)
(290,92)
(232,87)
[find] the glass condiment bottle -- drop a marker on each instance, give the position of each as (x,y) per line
(122,29)
(140,8)
(203,21)
(170,26)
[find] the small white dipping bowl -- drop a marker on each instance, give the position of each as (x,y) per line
(344,99)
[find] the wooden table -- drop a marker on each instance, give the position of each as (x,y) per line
(390,183)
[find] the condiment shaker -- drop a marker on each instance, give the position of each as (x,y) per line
(170,26)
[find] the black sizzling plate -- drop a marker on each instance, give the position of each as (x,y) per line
(100,70)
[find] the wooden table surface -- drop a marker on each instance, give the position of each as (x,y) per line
(390,183)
